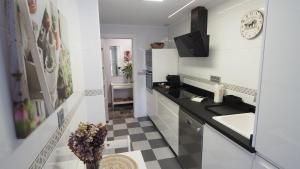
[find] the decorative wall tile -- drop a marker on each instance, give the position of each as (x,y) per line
(43,156)
(240,89)
(228,86)
(93,92)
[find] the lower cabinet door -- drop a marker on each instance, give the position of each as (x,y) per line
(221,153)
(150,104)
(168,121)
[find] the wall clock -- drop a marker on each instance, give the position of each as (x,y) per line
(251,24)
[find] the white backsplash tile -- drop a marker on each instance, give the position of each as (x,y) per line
(231,56)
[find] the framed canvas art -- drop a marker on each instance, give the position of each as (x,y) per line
(40,74)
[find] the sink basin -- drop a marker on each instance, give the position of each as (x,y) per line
(241,123)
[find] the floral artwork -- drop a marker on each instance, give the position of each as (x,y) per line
(128,69)
(41,78)
(87,142)
(127,56)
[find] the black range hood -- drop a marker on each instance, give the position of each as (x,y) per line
(196,43)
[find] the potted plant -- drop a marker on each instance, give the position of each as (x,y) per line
(87,143)
(127,71)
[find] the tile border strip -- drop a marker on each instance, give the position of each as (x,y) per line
(43,156)
(240,89)
(93,92)
(228,86)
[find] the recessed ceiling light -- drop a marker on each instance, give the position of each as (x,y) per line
(154,0)
(181,8)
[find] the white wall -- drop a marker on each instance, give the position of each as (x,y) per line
(125,45)
(232,57)
(7,129)
(92,59)
(142,37)
(85,50)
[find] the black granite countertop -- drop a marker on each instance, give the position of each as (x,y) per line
(201,111)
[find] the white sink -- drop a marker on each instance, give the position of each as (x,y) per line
(240,123)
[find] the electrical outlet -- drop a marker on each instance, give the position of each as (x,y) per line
(216,79)
(61,118)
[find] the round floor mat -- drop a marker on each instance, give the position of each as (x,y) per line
(118,161)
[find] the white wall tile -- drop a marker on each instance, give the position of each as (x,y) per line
(95,109)
(232,57)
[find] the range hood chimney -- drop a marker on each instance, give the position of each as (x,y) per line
(199,20)
(196,43)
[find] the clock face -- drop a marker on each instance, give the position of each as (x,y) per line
(251,24)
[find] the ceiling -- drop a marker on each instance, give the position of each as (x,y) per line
(140,12)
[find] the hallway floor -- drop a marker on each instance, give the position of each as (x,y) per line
(144,137)
(121,112)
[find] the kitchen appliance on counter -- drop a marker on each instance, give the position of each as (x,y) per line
(190,141)
(173,80)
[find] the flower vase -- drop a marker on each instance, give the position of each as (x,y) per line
(93,165)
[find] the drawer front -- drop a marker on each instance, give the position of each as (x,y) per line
(168,114)
(174,108)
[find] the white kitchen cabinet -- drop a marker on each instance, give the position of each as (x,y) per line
(260,163)
(166,119)
(164,62)
(153,113)
(219,152)
(150,104)
(277,137)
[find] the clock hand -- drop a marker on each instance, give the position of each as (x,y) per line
(250,24)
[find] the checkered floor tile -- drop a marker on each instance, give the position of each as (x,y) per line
(144,137)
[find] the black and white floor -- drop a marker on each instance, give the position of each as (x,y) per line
(144,137)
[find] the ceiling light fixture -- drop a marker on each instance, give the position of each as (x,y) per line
(154,0)
(170,16)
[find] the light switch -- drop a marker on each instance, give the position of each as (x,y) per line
(216,79)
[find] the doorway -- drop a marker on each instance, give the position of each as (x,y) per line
(118,77)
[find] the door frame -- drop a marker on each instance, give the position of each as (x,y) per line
(134,54)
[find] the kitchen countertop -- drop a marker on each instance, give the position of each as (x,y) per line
(199,111)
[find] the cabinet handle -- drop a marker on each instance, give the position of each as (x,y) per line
(148,73)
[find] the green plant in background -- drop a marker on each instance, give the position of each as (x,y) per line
(31,115)
(64,83)
(127,71)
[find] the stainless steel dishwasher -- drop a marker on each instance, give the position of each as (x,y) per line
(190,141)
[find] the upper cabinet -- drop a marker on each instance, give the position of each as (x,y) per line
(164,62)
(277,137)
(221,153)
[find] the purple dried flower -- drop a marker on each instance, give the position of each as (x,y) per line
(87,141)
